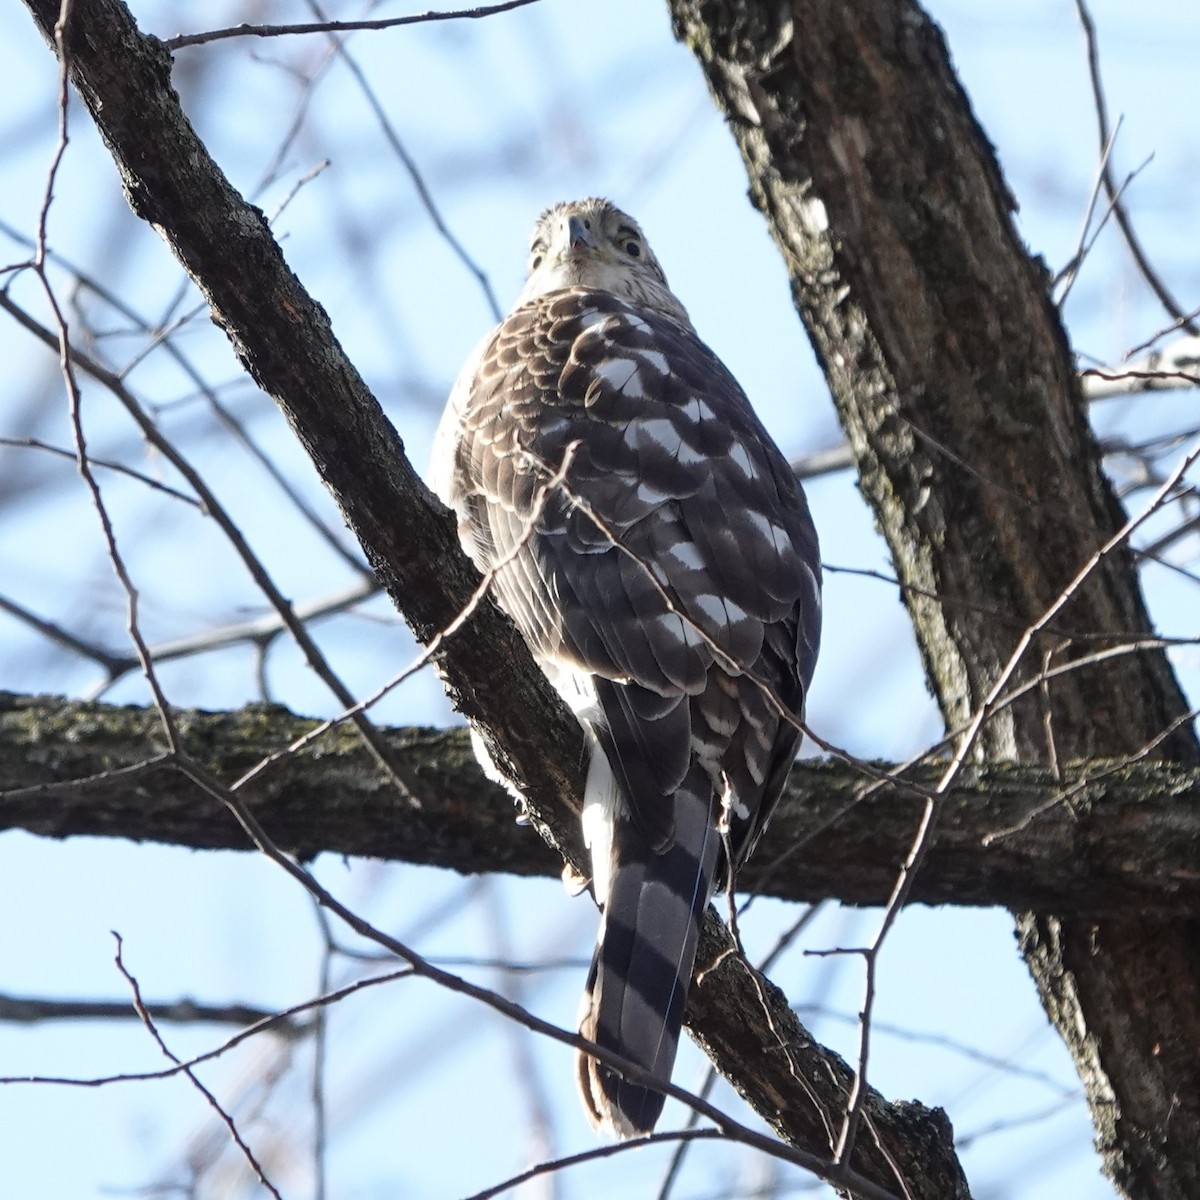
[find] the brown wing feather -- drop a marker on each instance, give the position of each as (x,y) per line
(672,576)
(714,534)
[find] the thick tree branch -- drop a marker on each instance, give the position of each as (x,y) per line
(953,378)
(285,341)
(1112,838)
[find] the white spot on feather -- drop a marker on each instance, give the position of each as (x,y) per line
(718,610)
(618,373)
(755,769)
(676,627)
(723,727)
(650,495)
(740,457)
(687,556)
(664,433)
(661,431)
(767,528)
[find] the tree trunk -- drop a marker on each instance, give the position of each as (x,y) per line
(953,378)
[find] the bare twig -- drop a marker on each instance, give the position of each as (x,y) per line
(266,31)
(32,1010)
(61,341)
(216,510)
(257,630)
(837,1173)
(965,745)
(161,336)
(414,173)
(1174,327)
(684,1136)
(33,443)
(213,1102)
(1168,301)
(110,660)
(271,1022)
(1069,273)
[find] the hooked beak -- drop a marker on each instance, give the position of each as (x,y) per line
(579,237)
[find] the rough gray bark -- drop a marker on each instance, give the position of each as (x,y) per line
(1118,839)
(284,339)
(954,381)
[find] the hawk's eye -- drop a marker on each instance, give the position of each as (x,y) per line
(633,250)
(535,262)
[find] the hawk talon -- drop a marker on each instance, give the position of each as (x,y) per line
(574,880)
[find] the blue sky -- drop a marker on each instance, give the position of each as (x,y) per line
(429,1096)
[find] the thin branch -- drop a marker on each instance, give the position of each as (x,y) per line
(1115,542)
(267,31)
(835,1173)
(280,1021)
(1174,327)
(684,1136)
(213,1102)
(823,462)
(33,443)
(414,173)
(60,340)
(32,1010)
(922,838)
(214,509)
(161,336)
(1168,301)
(1071,270)
(110,660)
(320,1141)
(1149,380)
(257,630)
(1007,1066)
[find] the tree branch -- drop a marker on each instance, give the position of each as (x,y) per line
(1109,838)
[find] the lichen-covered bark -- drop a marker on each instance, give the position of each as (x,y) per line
(953,378)
(1127,842)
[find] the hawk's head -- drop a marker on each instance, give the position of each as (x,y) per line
(592,243)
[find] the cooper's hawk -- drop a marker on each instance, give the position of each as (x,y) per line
(656,552)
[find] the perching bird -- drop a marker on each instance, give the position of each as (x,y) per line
(657,554)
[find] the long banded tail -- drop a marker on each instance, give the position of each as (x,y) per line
(642,967)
